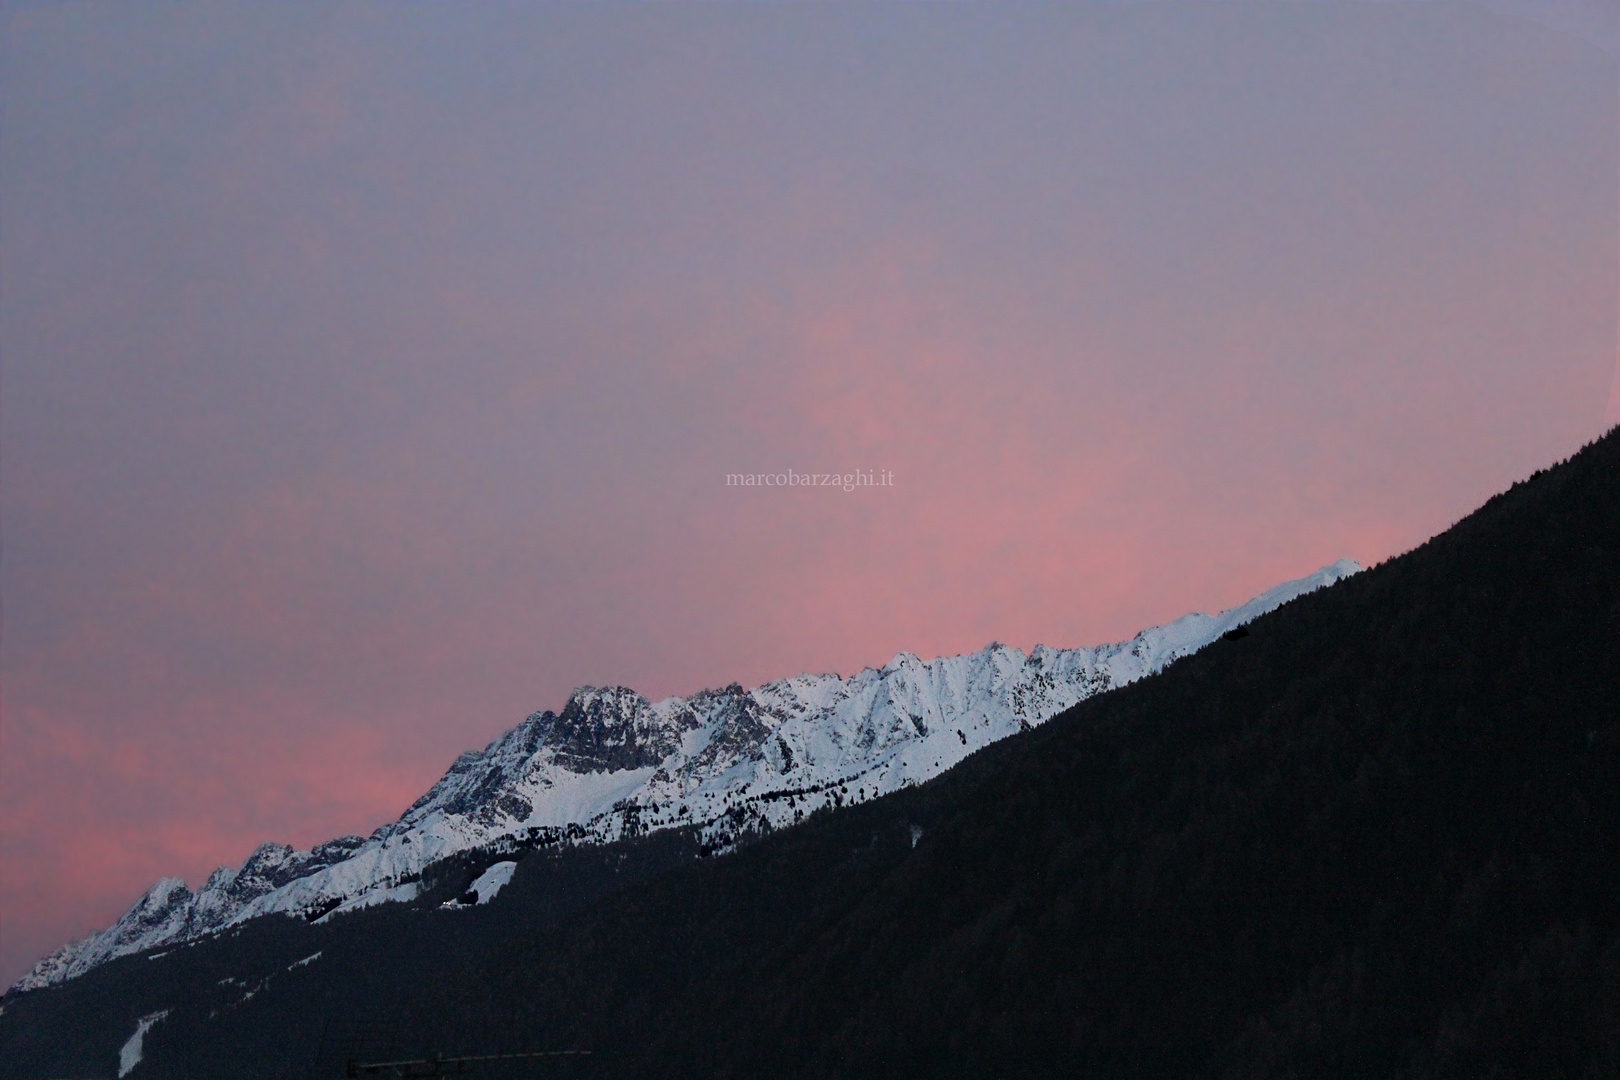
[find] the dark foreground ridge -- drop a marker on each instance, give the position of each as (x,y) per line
(1379,836)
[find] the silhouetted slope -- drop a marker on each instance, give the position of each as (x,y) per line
(1377,837)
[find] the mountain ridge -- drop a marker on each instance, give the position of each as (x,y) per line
(731,763)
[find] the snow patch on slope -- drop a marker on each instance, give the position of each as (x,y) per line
(129,1055)
(483,890)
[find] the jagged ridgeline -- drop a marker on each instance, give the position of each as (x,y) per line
(1377,836)
(726,764)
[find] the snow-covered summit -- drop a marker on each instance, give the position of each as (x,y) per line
(729,762)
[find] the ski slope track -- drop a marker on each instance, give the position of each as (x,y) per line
(730,763)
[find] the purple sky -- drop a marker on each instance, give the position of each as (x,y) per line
(371,372)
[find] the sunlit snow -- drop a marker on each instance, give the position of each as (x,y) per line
(729,763)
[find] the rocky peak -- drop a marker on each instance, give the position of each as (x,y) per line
(610,729)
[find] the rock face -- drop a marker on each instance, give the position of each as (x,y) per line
(730,762)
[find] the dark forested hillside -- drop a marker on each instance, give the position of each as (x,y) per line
(1379,836)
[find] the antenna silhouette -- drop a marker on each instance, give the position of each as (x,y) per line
(371,1048)
(440,1065)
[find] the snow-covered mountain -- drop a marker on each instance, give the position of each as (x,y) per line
(729,762)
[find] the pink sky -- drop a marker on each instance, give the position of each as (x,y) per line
(372,373)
